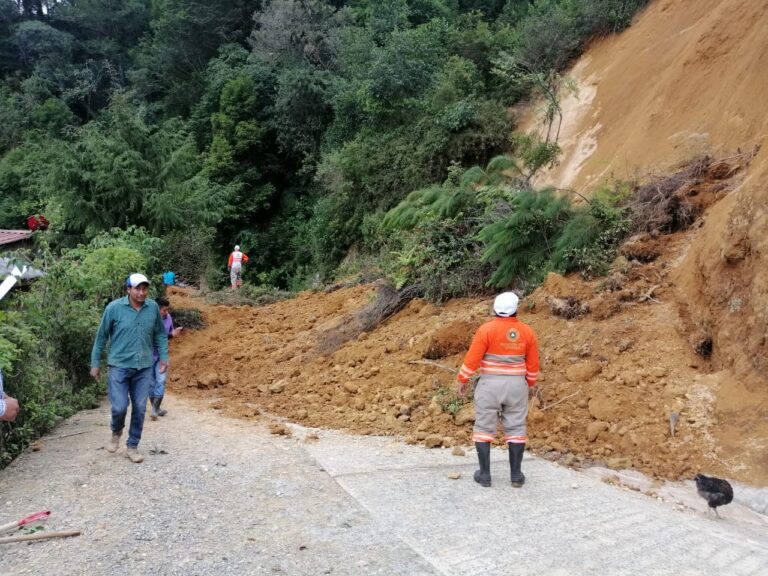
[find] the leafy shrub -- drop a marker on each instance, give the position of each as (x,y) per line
(556,31)
(589,240)
(442,257)
(188,254)
(522,245)
(449,401)
(437,202)
(601,17)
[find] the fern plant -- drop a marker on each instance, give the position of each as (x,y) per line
(589,240)
(438,202)
(522,245)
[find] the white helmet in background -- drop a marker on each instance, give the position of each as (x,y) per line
(237,248)
(505,304)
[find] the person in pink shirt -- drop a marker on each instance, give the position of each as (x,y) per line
(157,392)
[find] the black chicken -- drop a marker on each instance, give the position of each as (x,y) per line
(716,491)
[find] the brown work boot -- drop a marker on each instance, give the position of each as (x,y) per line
(134,455)
(114,443)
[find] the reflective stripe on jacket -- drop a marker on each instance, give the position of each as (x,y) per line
(503,346)
(237,259)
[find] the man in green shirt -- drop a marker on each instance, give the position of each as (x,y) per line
(133,326)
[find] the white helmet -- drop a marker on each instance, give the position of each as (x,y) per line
(237,248)
(505,304)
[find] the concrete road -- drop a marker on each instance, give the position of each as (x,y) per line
(217,496)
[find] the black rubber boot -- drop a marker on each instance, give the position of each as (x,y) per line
(153,404)
(483,476)
(515,461)
(160,411)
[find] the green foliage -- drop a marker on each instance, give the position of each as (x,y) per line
(438,202)
(170,62)
(38,43)
(122,171)
(522,245)
(534,154)
(302,110)
(27,180)
(298,32)
(553,32)
(188,254)
(404,68)
(457,80)
(387,16)
(449,400)
(442,257)
(31,377)
(52,117)
(590,239)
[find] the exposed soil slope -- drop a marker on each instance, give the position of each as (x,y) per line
(689,78)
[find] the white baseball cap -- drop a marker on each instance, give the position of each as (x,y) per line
(505,304)
(136,279)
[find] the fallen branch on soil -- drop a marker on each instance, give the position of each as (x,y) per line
(649,295)
(389,302)
(38,536)
(65,435)
(561,400)
(430,363)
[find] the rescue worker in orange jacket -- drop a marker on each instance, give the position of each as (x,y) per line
(506,353)
(235,266)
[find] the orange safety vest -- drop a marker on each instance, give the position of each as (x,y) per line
(237,259)
(503,346)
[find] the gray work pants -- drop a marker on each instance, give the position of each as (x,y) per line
(507,395)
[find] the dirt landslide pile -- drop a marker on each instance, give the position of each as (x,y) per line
(614,371)
(628,379)
(621,386)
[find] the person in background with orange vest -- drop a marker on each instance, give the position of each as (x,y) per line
(235,266)
(506,353)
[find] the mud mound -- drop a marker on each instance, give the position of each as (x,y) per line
(617,362)
(608,388)
(452,339)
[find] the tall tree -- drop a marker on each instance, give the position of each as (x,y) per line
(185,34)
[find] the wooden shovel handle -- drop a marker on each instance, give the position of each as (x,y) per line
(38,536)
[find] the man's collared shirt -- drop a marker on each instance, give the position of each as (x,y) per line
(132,335)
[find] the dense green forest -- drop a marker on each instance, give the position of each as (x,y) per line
(323,136)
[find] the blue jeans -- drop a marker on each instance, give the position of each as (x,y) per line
(125,383)
(157,388)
